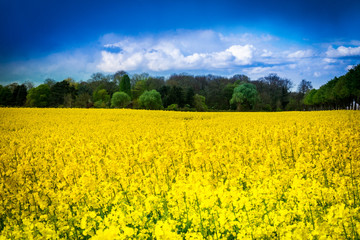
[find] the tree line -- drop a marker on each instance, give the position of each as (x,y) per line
(185,92)
(339,93)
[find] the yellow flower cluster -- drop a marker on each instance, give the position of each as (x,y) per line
(136,174)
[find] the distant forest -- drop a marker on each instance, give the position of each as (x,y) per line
(187,93)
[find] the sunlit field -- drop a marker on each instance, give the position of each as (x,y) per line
(136,174)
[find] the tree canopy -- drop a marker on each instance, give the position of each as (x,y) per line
(245,96)
(151,100)
(120,100)
(338,93)
(39,96)
(125,85)
(190,93)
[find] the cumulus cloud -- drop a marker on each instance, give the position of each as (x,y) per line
(193,51)
(342,52)
(168,53)
(207,51)
(242,54)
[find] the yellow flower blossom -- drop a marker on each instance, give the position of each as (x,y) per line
(134,174)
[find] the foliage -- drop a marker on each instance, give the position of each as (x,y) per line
(101,98)
(138,77)
(19,95)
(5,96)
(274,92)
(338,93)
(304,87)
(101,104)
(83,100)
(178,175)
(151,100)
(173,107)
(139,88)
(227,92)
(50,82)
(101,81)
(39,96)
(245,95)
(125,85)
(164,92)
(199,103)
(189,97)
(13,95)
(59,91)
(154,83)
(120,100)
(176,96)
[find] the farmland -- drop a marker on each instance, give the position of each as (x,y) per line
(123,174)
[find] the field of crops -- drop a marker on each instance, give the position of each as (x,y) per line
(124,174)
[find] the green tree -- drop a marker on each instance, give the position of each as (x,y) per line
(101,98)
(343,91)
(139,88)
(176,95)
(151,100)
(39,96)
(83,96)
(29,85)
(164,92)
(154,83)
(227,93)
(83,100)
(120,100)
(215,98)
(138,77)
(189,97)
(100,81)
(125,85)
(59,91)
(245,96)
(354,81)
(309,97)
(199,103)
(304,87)
(19,95)
(274,91)
(50,82)
(5,96)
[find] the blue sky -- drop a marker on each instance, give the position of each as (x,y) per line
(312,40)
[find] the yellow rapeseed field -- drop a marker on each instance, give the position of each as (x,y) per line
(135,174)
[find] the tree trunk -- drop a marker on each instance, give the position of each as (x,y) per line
(238,108)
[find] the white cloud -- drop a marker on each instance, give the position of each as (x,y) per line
(343,52)
(301,54)
(242,54)
(193,51)
(174,53)
(317,74)
(257,70)
(329,60)
(348,67)
(266,53)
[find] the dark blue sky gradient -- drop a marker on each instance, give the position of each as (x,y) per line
(35,28)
